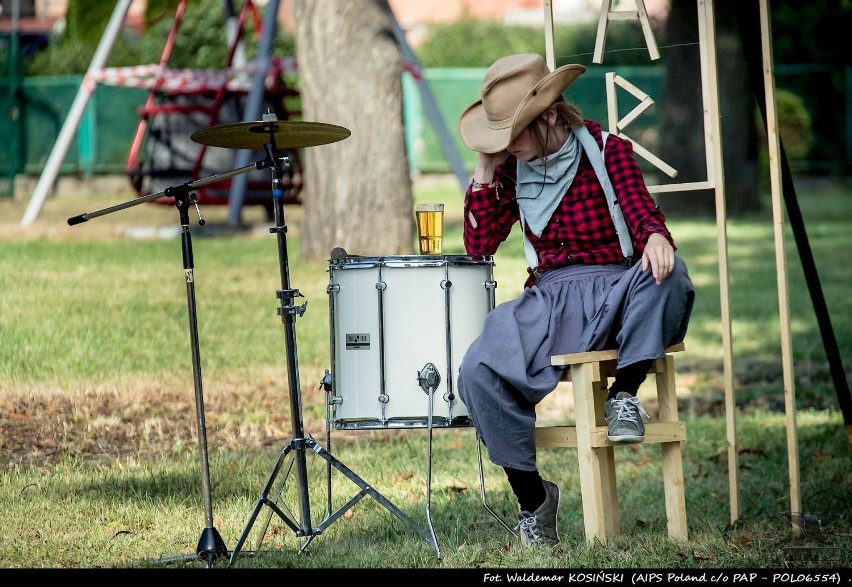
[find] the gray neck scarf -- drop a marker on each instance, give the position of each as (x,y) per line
(542,183)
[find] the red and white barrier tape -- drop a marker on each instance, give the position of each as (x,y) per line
(146,76)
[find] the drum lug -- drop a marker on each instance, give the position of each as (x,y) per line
(383,398)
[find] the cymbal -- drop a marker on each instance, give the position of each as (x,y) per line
(283,133)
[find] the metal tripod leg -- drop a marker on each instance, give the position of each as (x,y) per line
(264,500)
(482,489)
(366,489)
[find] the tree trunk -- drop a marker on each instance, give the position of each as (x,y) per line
(682,136)
(357,192)
(739,116)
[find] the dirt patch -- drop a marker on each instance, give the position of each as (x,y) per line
(133,419)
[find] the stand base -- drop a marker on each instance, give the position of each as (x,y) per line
(305,529)
(210,548)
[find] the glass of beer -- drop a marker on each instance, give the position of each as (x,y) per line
(430,227)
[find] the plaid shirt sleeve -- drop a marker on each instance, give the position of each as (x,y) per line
(490,211)
(641,212)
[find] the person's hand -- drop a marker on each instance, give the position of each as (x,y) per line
(659,256)
(488,162)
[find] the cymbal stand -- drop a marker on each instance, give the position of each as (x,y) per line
(297,445)
(210,545)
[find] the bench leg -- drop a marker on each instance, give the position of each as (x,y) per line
(673,487)
(596,465)
(671,452)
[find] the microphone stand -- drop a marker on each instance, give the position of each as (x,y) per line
(210,545)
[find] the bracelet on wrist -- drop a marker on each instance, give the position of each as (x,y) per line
(478,186)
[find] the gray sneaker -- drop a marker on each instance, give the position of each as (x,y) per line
(539,527)
(623,418)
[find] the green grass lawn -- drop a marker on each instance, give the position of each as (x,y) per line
(98,420)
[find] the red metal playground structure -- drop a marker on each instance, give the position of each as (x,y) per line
(180,102)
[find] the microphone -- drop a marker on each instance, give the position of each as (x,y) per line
(338,253)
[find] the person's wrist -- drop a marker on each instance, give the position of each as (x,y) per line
(483,173)
(478,185)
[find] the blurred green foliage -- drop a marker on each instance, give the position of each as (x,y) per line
(479,43)
(794,129)
(808,33)
(201,41)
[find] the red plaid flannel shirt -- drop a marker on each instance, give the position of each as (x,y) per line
(581,228)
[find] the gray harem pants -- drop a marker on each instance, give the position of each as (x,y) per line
(506,371)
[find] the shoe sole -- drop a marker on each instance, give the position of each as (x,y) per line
(558,503)
(626,439)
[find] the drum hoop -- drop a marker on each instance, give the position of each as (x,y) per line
(410,261)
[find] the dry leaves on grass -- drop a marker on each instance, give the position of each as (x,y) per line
(135,420)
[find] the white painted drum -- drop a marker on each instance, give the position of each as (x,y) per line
(394,320)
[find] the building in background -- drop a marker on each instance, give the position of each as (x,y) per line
(40,17)
(37,19)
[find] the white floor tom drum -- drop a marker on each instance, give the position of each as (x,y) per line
(394,322)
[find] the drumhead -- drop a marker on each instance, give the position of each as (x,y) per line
(358,262)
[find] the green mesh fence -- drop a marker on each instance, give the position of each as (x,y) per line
(100,145)
(455,89)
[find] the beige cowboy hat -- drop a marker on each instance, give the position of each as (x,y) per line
(514,91)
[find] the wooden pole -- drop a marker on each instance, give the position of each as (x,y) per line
(774,145)
(716,176)
(548,35)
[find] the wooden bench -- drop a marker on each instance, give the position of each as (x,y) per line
(589,374)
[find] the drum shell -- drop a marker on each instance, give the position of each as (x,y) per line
(390,318)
